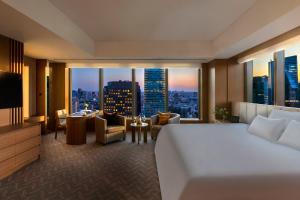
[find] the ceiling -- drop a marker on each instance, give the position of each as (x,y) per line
(132,20)
(91,31)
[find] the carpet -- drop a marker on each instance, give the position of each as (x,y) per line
(121,170)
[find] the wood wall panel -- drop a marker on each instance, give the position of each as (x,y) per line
(204,91)
(57,91)
(4,117)
(235,81)
(4,53)
(221,84)
(225,84)
(16,61)
(41,91)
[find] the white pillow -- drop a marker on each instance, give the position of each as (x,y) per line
(270,129)
(287,115)
(291,135)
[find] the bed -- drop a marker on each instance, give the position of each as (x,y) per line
(224,162)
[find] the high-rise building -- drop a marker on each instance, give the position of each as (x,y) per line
(260,89)
(291,82)
(118,97)
(271,82)
(155,91)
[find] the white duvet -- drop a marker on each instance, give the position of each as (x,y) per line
(224,162)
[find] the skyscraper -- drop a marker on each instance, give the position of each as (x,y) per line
(260,89)
(271,82)
(155,91)
(291,82)
(118,97)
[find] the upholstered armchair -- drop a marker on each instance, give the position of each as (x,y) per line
(108,133)
(155,127)
(60,118)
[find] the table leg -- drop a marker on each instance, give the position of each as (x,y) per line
(133,134)
(145,134)
(139,135)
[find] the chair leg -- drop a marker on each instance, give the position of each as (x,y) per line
(124,137)
(55,132)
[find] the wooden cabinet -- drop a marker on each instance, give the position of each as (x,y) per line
(19,146)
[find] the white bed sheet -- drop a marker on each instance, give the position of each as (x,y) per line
(224,162)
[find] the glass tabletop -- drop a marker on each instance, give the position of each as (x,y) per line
(139,125)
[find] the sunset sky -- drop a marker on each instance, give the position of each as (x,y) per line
(87,78)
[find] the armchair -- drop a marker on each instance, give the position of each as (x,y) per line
(108,133)
(155,127)
(60,118)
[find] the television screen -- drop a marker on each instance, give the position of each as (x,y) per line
(11,93)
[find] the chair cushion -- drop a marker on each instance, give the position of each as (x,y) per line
(112,129)
(111,118)
(62,122)
(163,118)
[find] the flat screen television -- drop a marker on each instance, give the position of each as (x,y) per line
(11,93)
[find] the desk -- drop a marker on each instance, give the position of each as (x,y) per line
(77,126)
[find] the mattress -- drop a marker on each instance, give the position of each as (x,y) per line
(224,161)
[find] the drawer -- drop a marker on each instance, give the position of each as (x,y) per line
(28,144)
(7,152)
(7,139)
(27,157)
(26,133)
(7,167)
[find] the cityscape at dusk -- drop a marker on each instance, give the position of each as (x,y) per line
(264,78)
(88,78)
(182,98)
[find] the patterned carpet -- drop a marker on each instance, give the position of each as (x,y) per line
(117,171)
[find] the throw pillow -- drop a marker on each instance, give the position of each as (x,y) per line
(111,118)
(163,118)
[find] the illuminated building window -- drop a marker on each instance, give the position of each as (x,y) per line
(117,88)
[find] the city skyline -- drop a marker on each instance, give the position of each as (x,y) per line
(263,86)
(260,64)
(88,78)
(151,91)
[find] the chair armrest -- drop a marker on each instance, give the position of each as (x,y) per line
(154,119)
(100,123)
(174,120)
(100,129)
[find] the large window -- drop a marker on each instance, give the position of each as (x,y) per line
(117,91)
(85,88)
(292,76)
(153,90)
(183,92)
(263,79)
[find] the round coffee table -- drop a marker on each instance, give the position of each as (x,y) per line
(139,127)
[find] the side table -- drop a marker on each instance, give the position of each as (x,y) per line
(139,127)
